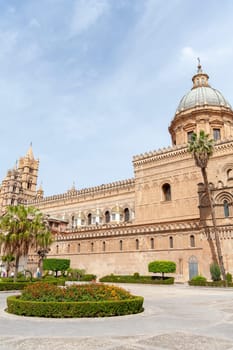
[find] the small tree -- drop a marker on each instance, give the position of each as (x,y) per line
(162,266)
(56,265)
(215,272)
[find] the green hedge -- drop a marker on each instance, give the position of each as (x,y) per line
(74,309)
(13,285)
(210,284)
(84,278)
(21,285)
(137,279)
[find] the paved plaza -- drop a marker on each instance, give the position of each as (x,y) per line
(176,317)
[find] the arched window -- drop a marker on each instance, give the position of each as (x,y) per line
(171,242)
(68,248)
(152,243)
(126,214)
(92,247)
(89,218)
(226,209)
(166,192)
(104,246)
(57,249)
(121,245)
(192,241)
(137,244)
(229,174)
(107,216)
(79,247)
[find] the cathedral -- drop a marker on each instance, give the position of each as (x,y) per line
(160,214)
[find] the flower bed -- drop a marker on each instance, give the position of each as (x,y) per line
(92,300)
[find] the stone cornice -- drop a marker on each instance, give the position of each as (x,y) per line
(129,229)
(177,152)
(117,185)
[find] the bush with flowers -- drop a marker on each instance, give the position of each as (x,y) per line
(89,300)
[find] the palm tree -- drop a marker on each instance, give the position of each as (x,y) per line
(202,147)
(21,228)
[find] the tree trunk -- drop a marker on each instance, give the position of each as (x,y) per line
(216,235)
(16,267)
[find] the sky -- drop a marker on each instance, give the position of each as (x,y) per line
(92,83)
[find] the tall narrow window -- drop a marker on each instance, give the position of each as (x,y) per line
(104,246)
(107,216)
(192,241)
(92,247)
(166,192)
(152,243)
(216,134)
(171,242)
(226,209)
(57,249)
(189,135)
(137,244)
(121,245)
(29,184)
(89,218)
(68,248)
(79,247)
(73,222)
(126,214)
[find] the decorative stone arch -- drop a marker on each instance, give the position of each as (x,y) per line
(193,266)
(224,196)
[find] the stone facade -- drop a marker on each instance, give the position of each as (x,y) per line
(161,213)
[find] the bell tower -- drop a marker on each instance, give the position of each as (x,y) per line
(28,168)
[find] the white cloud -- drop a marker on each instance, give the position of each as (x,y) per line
(86,13)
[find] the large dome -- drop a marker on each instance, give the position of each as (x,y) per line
(202,108)
(202,96)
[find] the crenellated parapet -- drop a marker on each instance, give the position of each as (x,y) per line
(91,191)
(165,154)
(178,152)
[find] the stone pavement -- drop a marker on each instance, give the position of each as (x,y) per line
(176,317)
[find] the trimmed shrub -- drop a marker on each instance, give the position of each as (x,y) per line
(162,266)
(135,279)
(215,272)
(56,265)
(13,285)
(90,300)
(74,309)
(229,277)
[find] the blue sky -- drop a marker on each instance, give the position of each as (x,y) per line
(91,83)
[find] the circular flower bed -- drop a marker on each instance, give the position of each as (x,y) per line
(89,300)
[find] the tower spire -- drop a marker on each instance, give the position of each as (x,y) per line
(30,152)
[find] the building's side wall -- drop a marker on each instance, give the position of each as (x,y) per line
(103,255)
